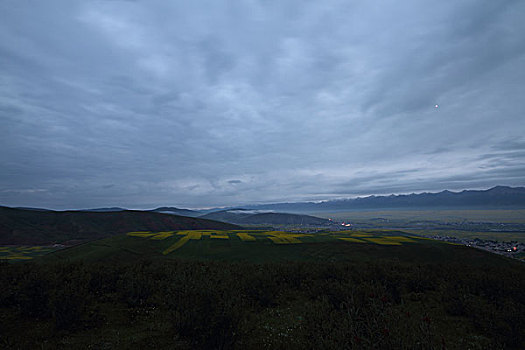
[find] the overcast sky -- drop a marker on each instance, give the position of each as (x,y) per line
(210,103)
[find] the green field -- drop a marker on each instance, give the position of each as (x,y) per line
(270,246)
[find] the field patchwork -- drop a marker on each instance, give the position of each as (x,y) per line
(275,237)
(245,237)
(261,246)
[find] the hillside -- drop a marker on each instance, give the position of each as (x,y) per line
(272,246)
(19,226)
(243,288)
(250,217)
(210,289)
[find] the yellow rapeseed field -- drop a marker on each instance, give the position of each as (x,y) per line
(350,239)
(196,235)
(400,238)
(16,257)
(162,235)
(22,252)
(361,235)
(201,232)
(279,240)
(383,241)
(280,237)
(177,245)
(32,248)
(141,234)
(277,237)
(245,237)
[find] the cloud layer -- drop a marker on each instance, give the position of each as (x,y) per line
(148,103)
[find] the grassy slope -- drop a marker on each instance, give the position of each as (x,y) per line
(324,248)
(26,227)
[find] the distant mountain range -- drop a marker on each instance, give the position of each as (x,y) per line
(499,197)
(23,226)
(162,210)
(100,210)
(177,211)
(495,198)
(251,217)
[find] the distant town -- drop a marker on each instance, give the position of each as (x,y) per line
(510,249)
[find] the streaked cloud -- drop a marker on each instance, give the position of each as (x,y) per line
(148,103)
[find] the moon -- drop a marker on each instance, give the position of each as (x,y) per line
(436,106)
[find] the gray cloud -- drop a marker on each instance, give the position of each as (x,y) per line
(147,103)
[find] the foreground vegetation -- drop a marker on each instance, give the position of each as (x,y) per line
(250,289)
(290,305)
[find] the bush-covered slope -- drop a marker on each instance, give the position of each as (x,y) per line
(211,305)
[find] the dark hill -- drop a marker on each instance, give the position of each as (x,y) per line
(242,216)
(104,209)
(283,219)
(230,215)
(177,211)
(29,208)
(41,227)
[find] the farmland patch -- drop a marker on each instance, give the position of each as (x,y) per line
(19,253)
(178,239)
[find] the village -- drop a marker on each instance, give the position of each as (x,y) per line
(510,249)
